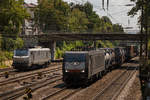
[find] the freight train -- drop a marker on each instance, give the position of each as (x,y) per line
(31,58)
(81,67)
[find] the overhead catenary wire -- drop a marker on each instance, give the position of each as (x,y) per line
(112,17)
(107,4)
(104,11)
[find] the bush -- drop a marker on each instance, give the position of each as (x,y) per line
(9,44)
(66,46)
(3,66)
(2,56)
(5,55)
(59,53)
(9,55)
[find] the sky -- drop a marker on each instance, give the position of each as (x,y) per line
(117,11)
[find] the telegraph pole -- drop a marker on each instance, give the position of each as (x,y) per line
(146,28)
(141,50)
(142,12)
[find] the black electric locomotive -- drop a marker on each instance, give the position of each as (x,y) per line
(81,67)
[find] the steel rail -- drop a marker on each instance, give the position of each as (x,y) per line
(122,87)
(2,74)
(60,91)
(11,95)
(5,69)
(54,93)
(26,76)
(101,92)
(72,93)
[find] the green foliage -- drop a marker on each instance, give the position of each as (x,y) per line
(57,15)
(19,43)
(3,65)
(105,44)
(52,15)
(5,55)
(117,28)
(8,55)
(102,44)
(12,15)
(2,57)
(109,44)
(146,14)
(138,7)
(77,21)
(106,20)
(149,44)
(58,53)
(10,44)
(67,46)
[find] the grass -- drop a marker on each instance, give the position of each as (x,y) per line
(5,56)
(3,66)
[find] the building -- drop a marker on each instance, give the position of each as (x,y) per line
(29,27)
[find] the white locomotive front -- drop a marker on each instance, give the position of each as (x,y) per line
(21,58)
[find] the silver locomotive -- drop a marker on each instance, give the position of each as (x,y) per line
(30,58)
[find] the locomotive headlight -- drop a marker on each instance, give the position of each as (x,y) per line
(82,71)
(66,70)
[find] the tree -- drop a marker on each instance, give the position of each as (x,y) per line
(106,20)
(146,9)
(117,28)
(52,15)
(57,15)
(12,15)
(77,21)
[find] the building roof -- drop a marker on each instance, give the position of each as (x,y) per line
(30,5)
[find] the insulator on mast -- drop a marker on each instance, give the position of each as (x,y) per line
(103,4)
(107,4)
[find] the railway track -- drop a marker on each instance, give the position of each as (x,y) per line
(5,69)
(59,93)
(26,76)
(113,89)
(12,71)
(14,94)
(72,93)
(2,71)
(54,93)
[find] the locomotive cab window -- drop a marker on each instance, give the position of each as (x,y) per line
(21,52)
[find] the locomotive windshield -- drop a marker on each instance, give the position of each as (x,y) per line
(75,57)
(21,52)
(75,61)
